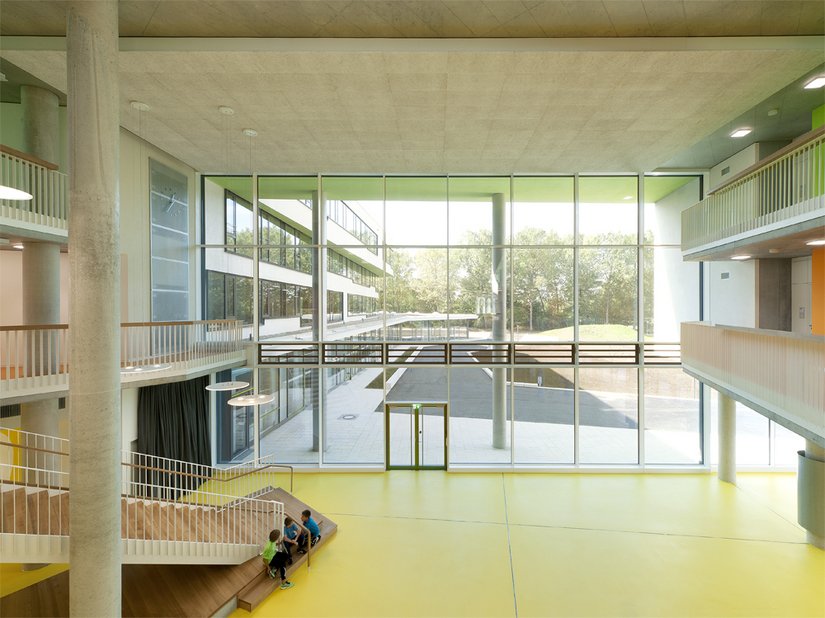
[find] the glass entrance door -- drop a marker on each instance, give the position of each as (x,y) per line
(416,435)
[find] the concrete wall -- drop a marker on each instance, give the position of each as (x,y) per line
(773,294)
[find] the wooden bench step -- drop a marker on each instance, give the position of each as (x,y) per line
(256,592)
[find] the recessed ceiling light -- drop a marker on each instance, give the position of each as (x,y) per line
(816,243)
(773,250)
(741,132)
(816,82)
(18,245)
(773,112)
(740,257)
(139,106)
(250,132)
(226,111)
(628,197)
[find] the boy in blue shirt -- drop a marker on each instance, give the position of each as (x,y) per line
(314,532)
(291,534)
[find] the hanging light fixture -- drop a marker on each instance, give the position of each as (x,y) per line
(10,193)
(251,400)
(227,386)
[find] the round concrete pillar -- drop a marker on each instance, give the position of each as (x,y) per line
(94,308)
(41,283)
(41,125)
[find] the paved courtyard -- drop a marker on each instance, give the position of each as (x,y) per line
(542,431)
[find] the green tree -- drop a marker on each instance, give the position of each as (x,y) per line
(542,282)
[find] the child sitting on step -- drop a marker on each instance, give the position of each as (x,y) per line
(314,532)
(291,534)
(275,558)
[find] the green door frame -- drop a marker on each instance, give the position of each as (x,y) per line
(416,453)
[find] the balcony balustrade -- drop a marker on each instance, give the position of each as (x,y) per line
(48,210)
(779,374)
(35,359)
(785,189)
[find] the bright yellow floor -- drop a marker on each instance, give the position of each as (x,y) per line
(433,544)
(14,578)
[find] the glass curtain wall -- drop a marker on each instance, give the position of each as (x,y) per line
(474,262)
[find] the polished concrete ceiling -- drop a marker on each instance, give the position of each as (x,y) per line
(432,105)
(435,18)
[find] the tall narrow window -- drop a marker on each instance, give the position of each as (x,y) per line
(169,204)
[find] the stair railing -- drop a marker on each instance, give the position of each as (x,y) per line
(163,499)
(34,477)
(264,462)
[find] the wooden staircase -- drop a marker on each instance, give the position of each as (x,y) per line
(34,510)
(257,590)
(173,589)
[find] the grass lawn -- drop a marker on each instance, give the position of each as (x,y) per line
(594,332)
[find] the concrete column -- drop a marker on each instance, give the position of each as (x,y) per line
(319,309)
(499,281)
(41,125)
(815,451)
(94,308)
(727,439)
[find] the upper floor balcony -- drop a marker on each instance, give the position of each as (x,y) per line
(780,197)
(34,360)
(777,373)
(46,215)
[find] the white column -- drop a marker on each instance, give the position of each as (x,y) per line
(727,439)
(319,309)
(499,269)
(94,308)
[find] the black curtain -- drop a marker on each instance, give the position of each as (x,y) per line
(173,422)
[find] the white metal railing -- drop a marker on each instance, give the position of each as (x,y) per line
(36,357)
(206,514)
(776,372)
(180,343)
(48,187)
(33,356)
(786,188)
